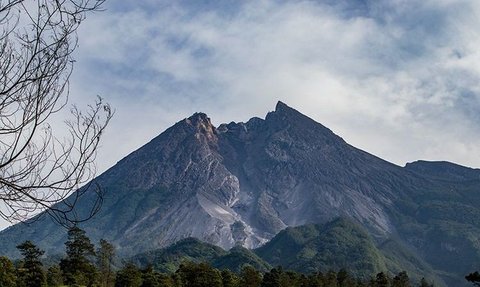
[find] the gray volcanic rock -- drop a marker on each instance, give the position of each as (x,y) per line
(294,171)
(242,183)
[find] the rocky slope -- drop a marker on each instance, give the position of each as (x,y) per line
(242,183)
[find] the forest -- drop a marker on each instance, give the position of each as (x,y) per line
(85,265)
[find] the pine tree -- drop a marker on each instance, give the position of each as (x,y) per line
(7,272)
(31,272)
(76,267)
(54,276)
(105,256)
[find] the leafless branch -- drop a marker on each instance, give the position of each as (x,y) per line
(38,169)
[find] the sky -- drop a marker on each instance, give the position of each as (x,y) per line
(397,78)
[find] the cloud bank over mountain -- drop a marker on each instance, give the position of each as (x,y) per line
(378,72)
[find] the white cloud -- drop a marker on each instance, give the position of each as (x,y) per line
(399,79)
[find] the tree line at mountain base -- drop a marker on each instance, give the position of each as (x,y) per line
(83,265)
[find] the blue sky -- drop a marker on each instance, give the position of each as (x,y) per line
(397,78)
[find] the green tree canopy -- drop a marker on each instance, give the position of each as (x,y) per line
(31,272)
(250,277)
(76,267)
(129,276)
(105,256)
(230,279)
(54,276)
(7,272)
(199,275)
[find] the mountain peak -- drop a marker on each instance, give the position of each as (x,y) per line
(201,124)
(281,106)
(198,119)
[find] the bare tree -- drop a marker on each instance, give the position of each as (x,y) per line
(38,167)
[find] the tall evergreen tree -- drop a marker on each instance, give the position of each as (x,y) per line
(31,271)
(105,256)
(76,267)
(7,273)
(54,276)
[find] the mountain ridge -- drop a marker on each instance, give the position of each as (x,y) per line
(242,183)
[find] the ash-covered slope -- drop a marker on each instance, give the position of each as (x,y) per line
(242,183)
(294,171)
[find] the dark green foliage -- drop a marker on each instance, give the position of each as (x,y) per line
(152,278)
(76,267)
(31,271)
(7,272)
(401,280)
(191,274)
(193,250)
(239,256)
(250,277)
(344,279)
(105,256)
(230,279)
(277,277)
(199,275)
(54,276)
(398,258)
(382,280)
(169,259)
(338,244)
(474,278)
(129,276)
(165,280)
(330,279)
(314,280)
(272,278)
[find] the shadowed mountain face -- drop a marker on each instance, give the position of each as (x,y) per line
(242,183)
